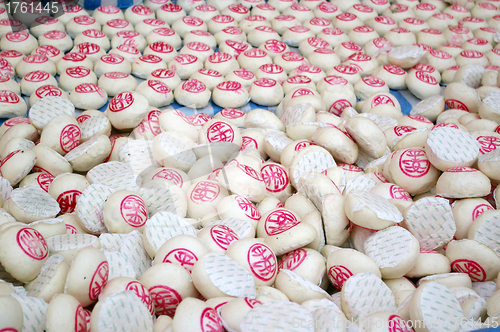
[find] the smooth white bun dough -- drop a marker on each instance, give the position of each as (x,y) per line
(35,79)
(192,93)
(45,24)
(10,60)
(12,105)
(165,35)
(219,22)
(93,36)
(162,50)
(57,39)
(157,93)
(400,37)
(81,23)
(234,47)
(170,13)
(115,82)
(307,46)
(463,182)
(34,62)
(394,76)
(261,34)
(230,33)
(346,22)
(88,96)
(91,50)
(112,63)
(131,38)
(382,24)
(211,78)
(272,71)
(222,62)
(200,36)
(148,25)
(116,25)
(170,78)
(127,109)
(230,94)
(266,92)
(432,37)
(188,23)
(21,41)
(295,35)
(7,83)
(323,58)
(103,14)
(143,66)
(185,65)
(346,49)
(205,12)
(51,52)
(281,23)
(289,61)
(242,75)
(251,22)
(138,13)
(201,50)
(349,73)
(253,59)
(73,59)
(422,85)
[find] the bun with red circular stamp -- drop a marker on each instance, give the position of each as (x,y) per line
(456,104)
(112,58)
(279,221)
(94,33)
(142,293)
(70,137)
(159,86)
(292,260)
(163,73)
(165,300)
(44,91)
(385,20)
(118,23)
(319,21)
(362,8)
(262,262)
(373,81)
(300,8)
(247,207)
(472,268)
(292,56)
(121,102)
(338,106)
(488,143)
(142,10)
(134,211)
(55,35)
(186,59)
(32,243)
(170,175)
(84,20)
(255,18)
(210,321)
(88,48)
(414,163)
(219,57)
(150,58)
(181,256)
(199,119)
(400,130)
(74,57)
(17,37)
(397,324)
(220,131)
(229,86)
(393,69)
(223,236)
(327,7)
(480,209)
(338,275)
(299,29)
(207,8)
(346,17)
(198,46)
(222,19)
(116,75)
(90,88)
(171,8)
(302,92)
(284,18)
(48,50)
(271,69)
(205,192)
(36,58)
(15,25)
(99,280)
(192,21)
(161,47)
(80,320)
(37,76)
(440,54)
(244,73)
(426,78)
(70,229)
(194,86)
(471,54)
(9,97)
(67,200)
(397,192)
(164,32)
(265,82)
(108,9)
(348,70)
